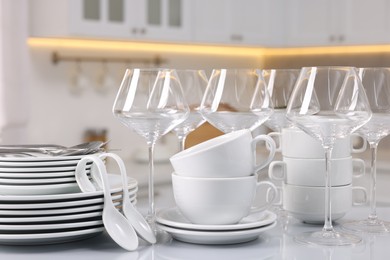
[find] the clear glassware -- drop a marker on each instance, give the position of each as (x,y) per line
(328,103)
(236,99)
(280,84)
(194,84)
(376,82)
(151,103)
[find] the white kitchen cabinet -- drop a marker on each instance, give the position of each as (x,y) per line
(245,22)
(336,22)
(123,19)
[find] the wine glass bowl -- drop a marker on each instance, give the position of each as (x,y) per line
(236,99)
(194,83)
(328,103)
(151,103)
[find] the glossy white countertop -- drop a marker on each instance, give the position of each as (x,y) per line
(277,243)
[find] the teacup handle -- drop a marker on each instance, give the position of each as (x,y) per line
(365,197)
(358,149)
(278,137)
(280,193)
(268,202)
(270,145)
(271,170)
(362,166)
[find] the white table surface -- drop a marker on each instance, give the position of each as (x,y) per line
(277,243)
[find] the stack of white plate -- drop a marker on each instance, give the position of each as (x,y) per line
(40,202)
(249,228)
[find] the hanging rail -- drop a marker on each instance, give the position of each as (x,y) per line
(157,60)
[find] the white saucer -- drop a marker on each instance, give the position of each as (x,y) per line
(172,217)
(215,237)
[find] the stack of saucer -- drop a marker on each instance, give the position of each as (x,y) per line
(41,202)
(249,228)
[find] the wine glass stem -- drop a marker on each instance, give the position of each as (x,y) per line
(151,211)
(328,198)
(182,142)
(373,147)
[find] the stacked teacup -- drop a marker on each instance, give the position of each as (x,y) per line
(215,182)
(302,172)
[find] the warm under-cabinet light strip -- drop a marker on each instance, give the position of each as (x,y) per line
(58,43)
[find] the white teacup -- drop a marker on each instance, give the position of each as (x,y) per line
(311,172)
(308,203)
(295,143)
(218,201)
(229,155)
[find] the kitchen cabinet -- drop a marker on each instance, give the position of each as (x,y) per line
(337,22)
(117,19)
(246,22)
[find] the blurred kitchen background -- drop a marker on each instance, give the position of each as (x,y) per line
(61,61)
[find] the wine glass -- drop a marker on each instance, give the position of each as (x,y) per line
(376,82)
(328,103)
(151,103)
(194,83)
(236,99)
(280,84)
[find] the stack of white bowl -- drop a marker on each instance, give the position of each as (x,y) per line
(302,171)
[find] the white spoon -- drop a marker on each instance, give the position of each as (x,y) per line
(115,223)
(134,217)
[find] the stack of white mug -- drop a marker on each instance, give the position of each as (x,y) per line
(215,182)
(302,172)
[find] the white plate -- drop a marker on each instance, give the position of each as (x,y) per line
(15,193)
(215,237)
(67,217)
(39,175)
(30,228)
(67,203)
(39,189)
(40,169)
(48,238)
(39,164)
(38,158)
(56,211)
(173,217)
(36,181)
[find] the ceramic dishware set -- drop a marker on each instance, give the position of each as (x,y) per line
(41,202)
(301,171)
(215,185)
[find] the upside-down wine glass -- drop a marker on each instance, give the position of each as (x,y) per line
(376,82)
(194,83)
(328,103)
(236,99)
(151,103)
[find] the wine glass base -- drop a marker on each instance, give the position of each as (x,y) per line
(368,226)
(328,238)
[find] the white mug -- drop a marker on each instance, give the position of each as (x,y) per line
(308,203)
(218,201)
(311,172)
(229,155)
(293,142)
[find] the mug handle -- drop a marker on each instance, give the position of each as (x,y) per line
(268,203)
(358,149)
(271,171)
(365,197)
(280,193)
(362,166)
(270,143)
(278,137)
